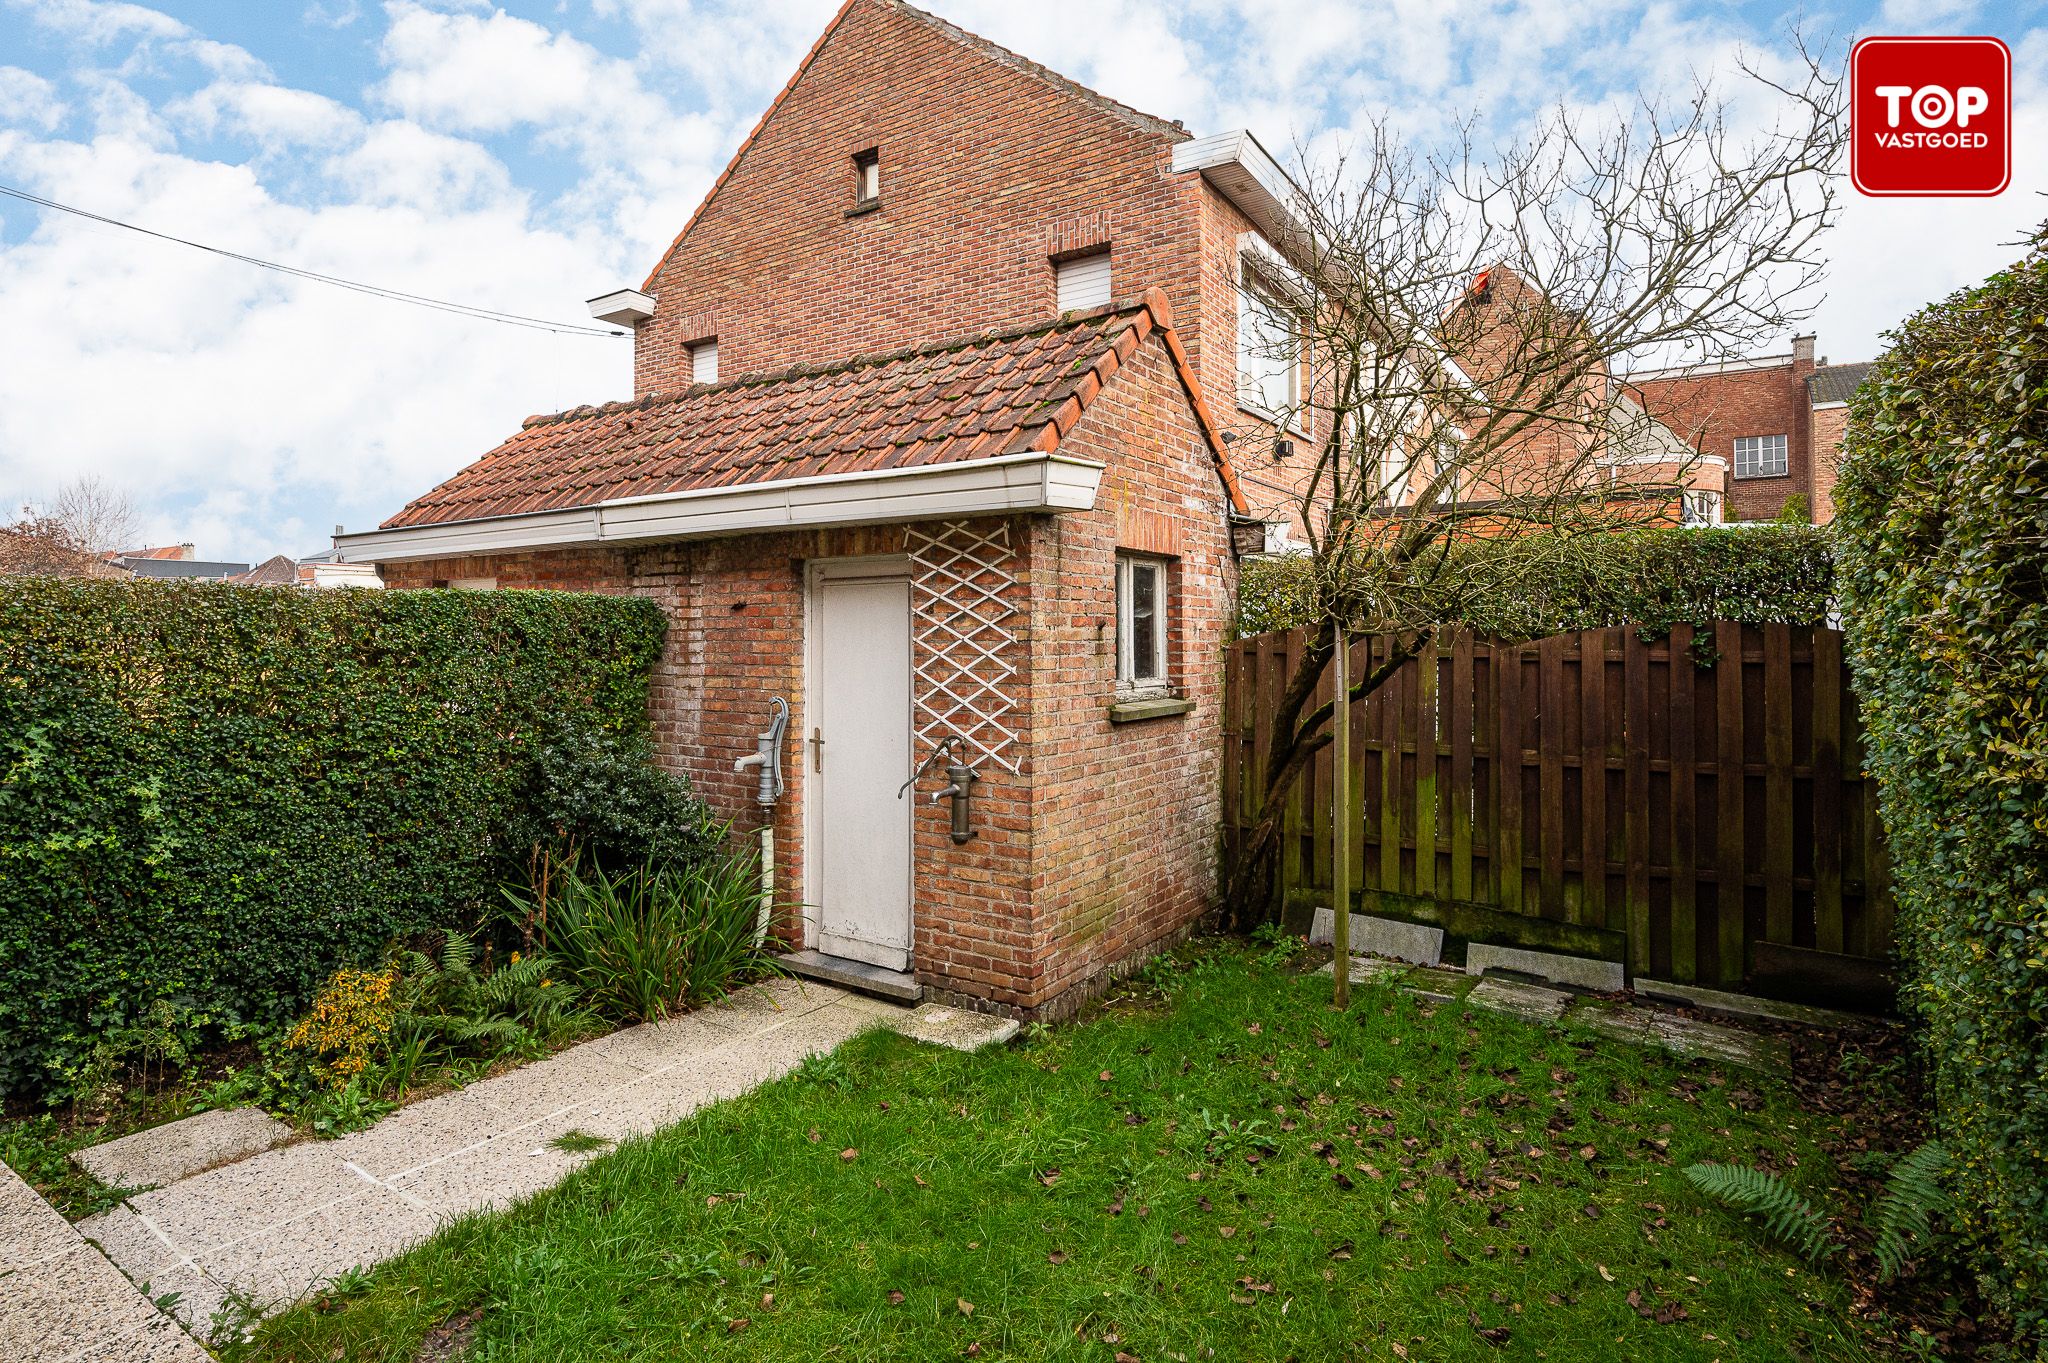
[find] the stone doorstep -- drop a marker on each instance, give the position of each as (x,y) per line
(855,975)
(959,1028)
(180,1149)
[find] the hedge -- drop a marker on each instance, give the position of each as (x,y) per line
(1655,578)
(1943,518)
(212,796)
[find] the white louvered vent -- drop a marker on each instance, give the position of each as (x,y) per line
(1084,283)
(704,362)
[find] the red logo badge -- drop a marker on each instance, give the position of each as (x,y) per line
(1930,117)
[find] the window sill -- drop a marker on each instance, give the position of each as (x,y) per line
(862,209)
(1133,709)
(1284,428)
(1759,477)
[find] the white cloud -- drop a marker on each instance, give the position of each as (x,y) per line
(97,21)
(29,100)
(275,116)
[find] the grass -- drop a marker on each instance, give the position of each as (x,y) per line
(1218,1166)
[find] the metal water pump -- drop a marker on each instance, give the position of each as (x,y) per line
(961,790)
(767,759)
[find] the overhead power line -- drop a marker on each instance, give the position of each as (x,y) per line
(392,295)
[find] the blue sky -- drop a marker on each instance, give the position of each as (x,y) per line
(526,156)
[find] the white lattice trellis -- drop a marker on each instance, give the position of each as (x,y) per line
(960,588)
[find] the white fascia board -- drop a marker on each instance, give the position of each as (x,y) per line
(1250,178)
(622,307)
(1007,484)
(1709,368)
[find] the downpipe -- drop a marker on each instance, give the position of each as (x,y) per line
(767,760)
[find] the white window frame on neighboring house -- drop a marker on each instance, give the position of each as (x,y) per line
(1268,351)
(1763,456)
(1084,281)
(1699,508)
(703,360)
(473,584)
(1141,663)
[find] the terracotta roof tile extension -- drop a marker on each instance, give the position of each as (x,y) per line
(975,397)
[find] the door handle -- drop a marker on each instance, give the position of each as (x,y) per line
(817,750)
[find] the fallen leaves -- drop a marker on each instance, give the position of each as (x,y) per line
(966,1306)
(849,1155)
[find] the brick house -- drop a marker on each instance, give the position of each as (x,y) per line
(1776,419)
(928,440)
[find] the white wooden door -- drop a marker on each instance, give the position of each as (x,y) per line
(857,755)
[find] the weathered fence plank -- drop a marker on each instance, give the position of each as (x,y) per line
(1674,781)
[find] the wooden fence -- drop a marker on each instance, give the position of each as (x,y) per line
(1694,807)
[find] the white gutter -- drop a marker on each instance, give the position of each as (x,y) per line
(1007,485)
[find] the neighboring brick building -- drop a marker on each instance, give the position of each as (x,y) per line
(1776,419)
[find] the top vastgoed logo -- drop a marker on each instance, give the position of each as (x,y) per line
(1930,116)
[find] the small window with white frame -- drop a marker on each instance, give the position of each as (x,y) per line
(867,178)
(1268,350)
(704,360)
(1762,456)
(1141,624)
(1699,508)
(1083,281)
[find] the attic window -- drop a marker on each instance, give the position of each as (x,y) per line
(704,361)
(867,178)
(1084,281)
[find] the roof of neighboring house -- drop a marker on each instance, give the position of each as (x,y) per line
(1124,112)
(1835,383)
(279,570)
(170,551)
(948,402)
(180,568)
(1640,436)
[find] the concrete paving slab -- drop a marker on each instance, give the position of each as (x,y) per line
(1746,1005)
(503,1171)
(1529,1002)
(1682,1036)
(157,1268)
(1414,943)
(1583,972)
(228,1203)
(162,1340)
(654,1046)
(180,1149)
(960,1028)
(31,1231)
(562,1080)
(69,1304)
(289,1261)
(1369,970)
(431,1128)
(769,1000)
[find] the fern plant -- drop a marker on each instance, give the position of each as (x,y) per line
(1786,1215)
(1902,1217)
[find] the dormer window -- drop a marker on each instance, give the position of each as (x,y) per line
(867,178)
(704,360)
(1083,281)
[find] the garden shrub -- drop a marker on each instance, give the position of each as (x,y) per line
(1943,524)
(597,793)
(1654,578)
(216,795)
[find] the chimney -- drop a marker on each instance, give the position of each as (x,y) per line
(1802,351)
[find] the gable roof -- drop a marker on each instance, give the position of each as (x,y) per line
(1102,103)
(278,570)
(969,399)
(1836,383)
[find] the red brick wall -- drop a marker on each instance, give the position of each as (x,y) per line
(1827,424)
(1708,411)
(1126,814)
(986,173)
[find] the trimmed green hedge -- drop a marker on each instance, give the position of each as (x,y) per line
(1655,578)
(212,796)
(1943,519)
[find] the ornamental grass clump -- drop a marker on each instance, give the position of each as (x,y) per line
(646,943)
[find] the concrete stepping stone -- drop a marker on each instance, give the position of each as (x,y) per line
(1747,1005)
(1529,1002)
(61,1300)
(1581,972)
(1414,943)
(1369,970)
(180,1149)
(1681,1036)
(960,1028)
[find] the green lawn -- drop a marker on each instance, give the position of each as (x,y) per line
(1218,1166)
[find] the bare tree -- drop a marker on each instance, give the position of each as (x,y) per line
(43,546)
(97,515)
(1465,314)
